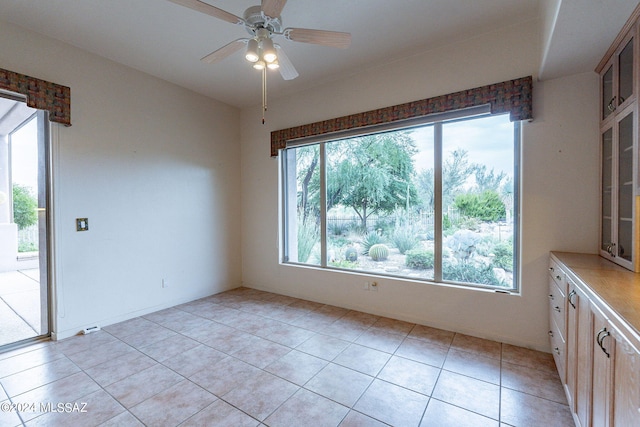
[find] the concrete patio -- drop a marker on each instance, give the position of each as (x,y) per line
(19,305)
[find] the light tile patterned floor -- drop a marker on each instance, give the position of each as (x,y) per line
(251,358)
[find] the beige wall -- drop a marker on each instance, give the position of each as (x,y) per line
(141,151)
(154,167)
(559,185)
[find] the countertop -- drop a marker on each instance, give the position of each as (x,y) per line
(617,287)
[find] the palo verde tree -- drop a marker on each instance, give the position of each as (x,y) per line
(308,180)
(371,174)
(456,170)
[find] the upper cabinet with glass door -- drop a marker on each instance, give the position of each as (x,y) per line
(619,234)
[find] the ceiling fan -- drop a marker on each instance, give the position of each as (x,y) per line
(263,23)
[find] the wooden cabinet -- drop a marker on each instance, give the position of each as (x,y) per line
(600,369)
(602,384)
(557,317)
(579,351)
(619,236)
(626,378)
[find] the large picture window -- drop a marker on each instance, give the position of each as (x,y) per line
(433,200)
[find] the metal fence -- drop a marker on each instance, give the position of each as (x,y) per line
(28,238)
(423,219)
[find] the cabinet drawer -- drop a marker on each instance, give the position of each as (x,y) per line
(557,306)
(558,276)
(558,349)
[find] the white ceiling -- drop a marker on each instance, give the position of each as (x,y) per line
(167,40)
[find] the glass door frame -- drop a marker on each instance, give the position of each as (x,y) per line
(45,222)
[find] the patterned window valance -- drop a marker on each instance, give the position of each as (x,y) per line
(41,94)
(513,96)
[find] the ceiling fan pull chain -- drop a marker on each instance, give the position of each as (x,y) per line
(264,92)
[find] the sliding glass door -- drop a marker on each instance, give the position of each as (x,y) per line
(24,231)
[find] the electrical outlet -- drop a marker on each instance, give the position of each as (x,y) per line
(374,286)
(165,283)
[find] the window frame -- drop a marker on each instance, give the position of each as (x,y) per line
(437,120)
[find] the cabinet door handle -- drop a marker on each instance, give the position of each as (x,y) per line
(600,339)
(551,334)
(551,297)
(550,268)
(610,249)
(613,250)
(556,350)
(606,334)
(556,308)
(611,105)
(570,298)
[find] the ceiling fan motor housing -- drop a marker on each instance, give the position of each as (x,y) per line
(255,20)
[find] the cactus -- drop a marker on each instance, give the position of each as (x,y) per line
(351,254)
(379,252)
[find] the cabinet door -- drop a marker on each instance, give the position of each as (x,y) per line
(584,367)
(608,101)
(574,300)
(626,382)
(606,185)
(624,238)
(603,349)
(625,72)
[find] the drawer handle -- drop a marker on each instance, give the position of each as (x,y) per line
(559,277)
(551,334)
(571,295)
(557,350)
(550,268)
(556,308)
(551,297)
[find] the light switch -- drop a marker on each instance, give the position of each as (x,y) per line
(82,224)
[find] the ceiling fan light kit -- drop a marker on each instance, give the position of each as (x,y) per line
(263,23)
(252,51)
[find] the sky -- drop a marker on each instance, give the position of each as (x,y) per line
(24,156)
(493,133)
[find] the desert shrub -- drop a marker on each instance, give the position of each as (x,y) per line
(420,259)
(379,252)
(503,252)
(27,246)
(308,236)
(338,241)
(470,273)
(467,223)
(343,263)
(369,240)
(337,227)
(384,226)
(486,206)
(446,222)
(404,238)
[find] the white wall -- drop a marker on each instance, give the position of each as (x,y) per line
(154,167)
(559,185)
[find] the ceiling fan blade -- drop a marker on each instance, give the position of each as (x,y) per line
(206,8)
(273,8)
(224,51)
(321,37)
(287,70)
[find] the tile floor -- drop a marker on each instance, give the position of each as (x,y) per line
(251,358)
